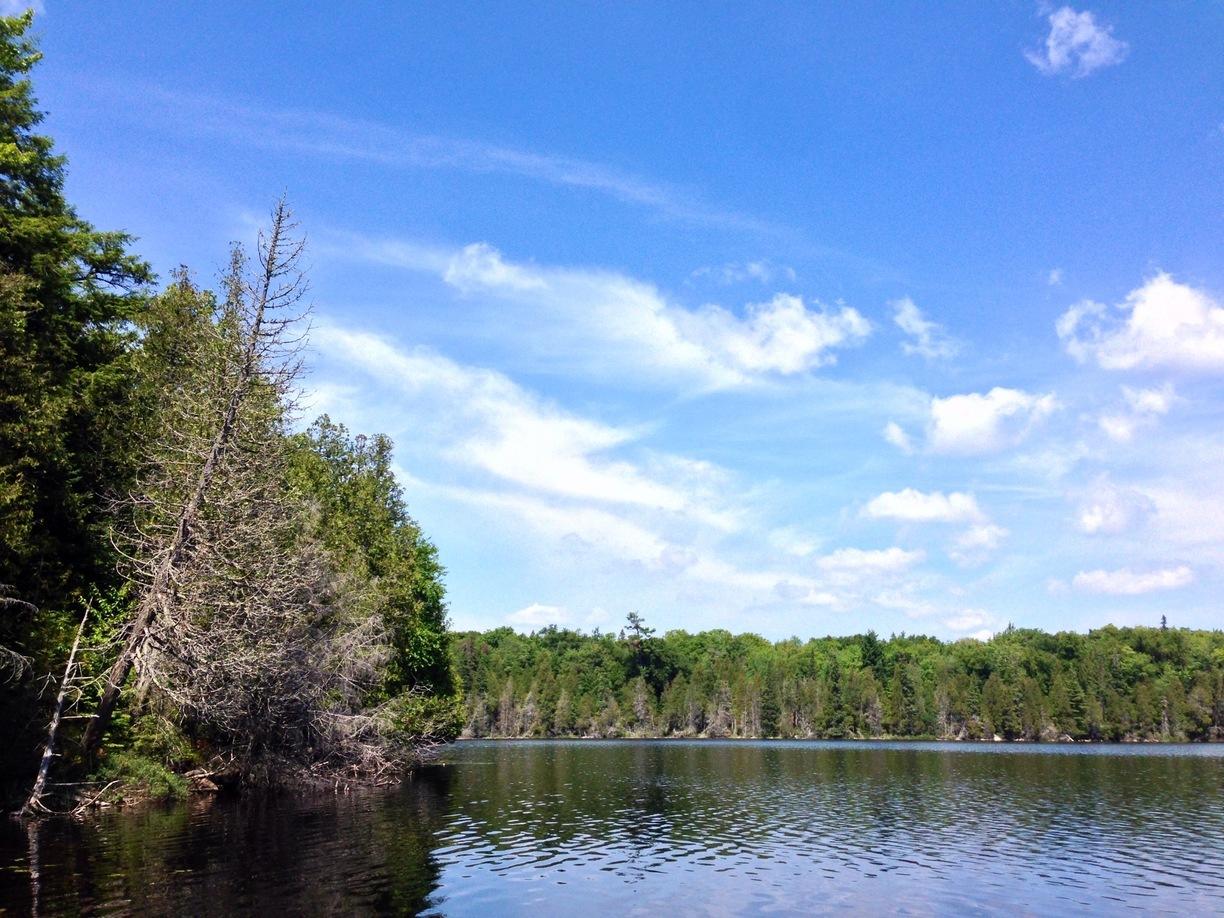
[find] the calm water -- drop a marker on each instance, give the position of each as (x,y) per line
(672,827)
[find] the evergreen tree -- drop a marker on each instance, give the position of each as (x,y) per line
(68,294)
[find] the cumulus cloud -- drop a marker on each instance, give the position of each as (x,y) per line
(480,265)
(782,336)
(912,506)
(1077,45)
(977,423)
(1162,324)
(975,544)
(929,340)
(968,620)
(1143,406)
(1127,582)
(538,615)
(1106,509)
(613,317)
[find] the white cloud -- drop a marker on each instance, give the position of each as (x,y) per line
(617,322)
(914,506)
(976,543)
(847,564)
(902,601)
(898,437)
(538,615)
(763,271)
(1150,401)
(968,620)
(1127,582)
(1165,325)
(480,265)
(1107,509)
(482,419)
(794,541)
(782,336)
(1055,277)
(553,476)
(1118,427)
(1144,406)
(930,340)
(977,423)
(1077,45)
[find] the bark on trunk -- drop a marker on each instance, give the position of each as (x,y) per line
(33,803)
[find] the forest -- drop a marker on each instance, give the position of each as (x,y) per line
(193,581)
(1112,684)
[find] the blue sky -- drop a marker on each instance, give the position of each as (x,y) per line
(791,318)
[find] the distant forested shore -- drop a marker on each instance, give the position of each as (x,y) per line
(1109,685)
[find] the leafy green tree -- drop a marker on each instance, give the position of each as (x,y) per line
(362,519)
(68,295)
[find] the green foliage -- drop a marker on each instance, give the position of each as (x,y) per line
(139,777)
(363,521)
(96,397)
(1111,684)
(67,295)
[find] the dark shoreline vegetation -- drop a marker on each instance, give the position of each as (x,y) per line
(1110,685)
(191,592)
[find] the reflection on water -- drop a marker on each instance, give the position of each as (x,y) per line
(683,827)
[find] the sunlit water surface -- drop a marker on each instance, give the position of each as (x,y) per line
(674,828)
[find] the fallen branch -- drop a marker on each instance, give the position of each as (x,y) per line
(34,803)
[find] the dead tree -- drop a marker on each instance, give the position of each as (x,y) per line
(254,318)
(244,627)
(34,803)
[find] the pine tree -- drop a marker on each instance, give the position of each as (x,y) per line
(67,292)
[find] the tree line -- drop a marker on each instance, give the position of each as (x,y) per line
(1112,684)
(232,593)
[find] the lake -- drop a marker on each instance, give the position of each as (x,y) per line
(670,827)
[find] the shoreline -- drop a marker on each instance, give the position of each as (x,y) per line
(951,741)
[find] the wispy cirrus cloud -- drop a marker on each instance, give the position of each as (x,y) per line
(927,339)
(762,271)
(612,324)
(576,484)
(483,419)
(339,137)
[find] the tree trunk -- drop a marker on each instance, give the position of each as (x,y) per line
(34,803)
